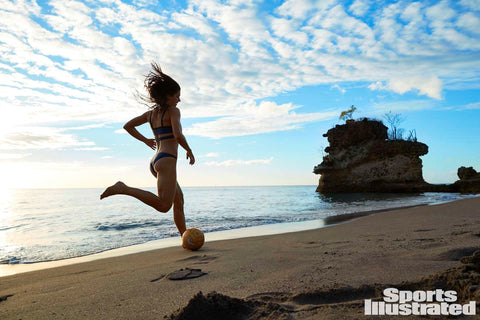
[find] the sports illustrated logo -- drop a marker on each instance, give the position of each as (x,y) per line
(424,303)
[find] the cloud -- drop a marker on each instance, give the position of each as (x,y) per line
(300,9)
(470,22)
(469,106)
(471,4)
(401,106)
(288,30)
(359,7)
(231,163)
(86,127)
(82,61)
(336,86)
(255,119)
(429,86)
(91,149)
(40,138)
(194,21)
(209,155)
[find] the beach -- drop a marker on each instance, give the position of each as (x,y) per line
(325,273)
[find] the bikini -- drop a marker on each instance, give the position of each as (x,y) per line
(157,132)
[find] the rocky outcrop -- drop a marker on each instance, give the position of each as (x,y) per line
(360,158)
(469,180)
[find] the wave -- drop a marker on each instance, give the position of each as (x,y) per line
(11,227)
(10,260)
(128,225)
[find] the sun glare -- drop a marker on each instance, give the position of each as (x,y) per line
(13,176)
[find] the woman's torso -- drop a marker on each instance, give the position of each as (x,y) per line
(161,125)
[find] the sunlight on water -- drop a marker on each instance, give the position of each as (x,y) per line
(51,224)
(6,247)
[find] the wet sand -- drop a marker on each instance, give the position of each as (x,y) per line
(318,274)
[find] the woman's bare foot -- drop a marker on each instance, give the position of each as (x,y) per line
(117,188)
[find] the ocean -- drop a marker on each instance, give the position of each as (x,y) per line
(38,225)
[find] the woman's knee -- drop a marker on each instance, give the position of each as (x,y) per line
(164,207)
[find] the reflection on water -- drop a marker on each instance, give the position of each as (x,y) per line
(42,225)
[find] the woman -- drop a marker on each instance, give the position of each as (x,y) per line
(164,119)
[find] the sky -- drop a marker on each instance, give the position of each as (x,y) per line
(261,81)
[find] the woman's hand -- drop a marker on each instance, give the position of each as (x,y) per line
(190,156)
(151,143)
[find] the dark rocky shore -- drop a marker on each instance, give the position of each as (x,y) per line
(361,158)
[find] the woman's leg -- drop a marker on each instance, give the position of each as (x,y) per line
(166,169)
(166,180)
(178,214)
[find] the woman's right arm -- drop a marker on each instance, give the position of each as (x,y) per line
(177,132)
(135,122)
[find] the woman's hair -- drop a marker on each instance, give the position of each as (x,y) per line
(159,85)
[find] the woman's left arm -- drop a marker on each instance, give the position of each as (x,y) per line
(135,122)
(177,132)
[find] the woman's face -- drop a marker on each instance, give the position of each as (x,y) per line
(173,99)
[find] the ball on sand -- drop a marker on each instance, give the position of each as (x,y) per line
(193,239)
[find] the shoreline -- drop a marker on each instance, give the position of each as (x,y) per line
(172,242)
(240,233)
(323,273)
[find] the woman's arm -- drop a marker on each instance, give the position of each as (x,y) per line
(177,132)
(135,122)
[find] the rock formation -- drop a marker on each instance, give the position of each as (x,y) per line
(360,158)
(469,180)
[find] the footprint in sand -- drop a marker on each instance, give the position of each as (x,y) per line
(182,274)
(205,259)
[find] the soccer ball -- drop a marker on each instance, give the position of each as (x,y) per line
(193,239)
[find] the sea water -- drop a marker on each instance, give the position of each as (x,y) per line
(38,225)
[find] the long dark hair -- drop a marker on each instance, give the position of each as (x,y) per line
(159,85)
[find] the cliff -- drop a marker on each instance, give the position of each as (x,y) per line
(360,158)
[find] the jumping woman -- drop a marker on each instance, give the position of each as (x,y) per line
(164,119)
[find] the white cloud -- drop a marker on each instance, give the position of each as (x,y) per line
(360,7)
(145,3)
(471,4)
(429,86)
(231,163)
(296,9)
(380,109)
(336,86)
(40,138)
(91,149)
(195,21)
(86,127)
(68,66)
(469,106)
(470,22)
(299,9)
(255,119)
(209,155)
(288,29)
(378,86)
(440,13)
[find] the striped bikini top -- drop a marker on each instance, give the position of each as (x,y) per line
(162,129)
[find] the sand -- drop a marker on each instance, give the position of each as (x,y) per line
(318,274)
